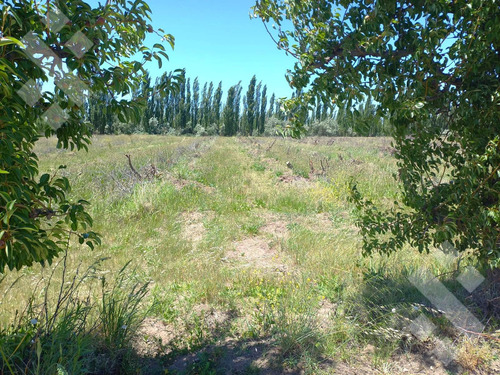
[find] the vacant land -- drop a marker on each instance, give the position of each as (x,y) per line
(249,260)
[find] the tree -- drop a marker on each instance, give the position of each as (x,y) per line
(166,112)
(270,112)
(344,120)
(250,107)
(216,106)
(263,106)
(231,111)
(83,48)
(208,107)
(203,105)
(195,104)
(181,116)
(258,89)
(319,113)
(143,94)
(366,122)
(433,67)
(98,113)
(188,101)
(228,113)
(237,102)
(245,125)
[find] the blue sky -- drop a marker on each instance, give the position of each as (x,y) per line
(216,40)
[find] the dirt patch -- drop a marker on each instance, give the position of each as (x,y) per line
(356,162)
(495,366)
(193,227)
(256,252)
(410,363)
(213,318)
(233,357)
(154,337)
(322,222)
(276,228)
(325,313)
(294,180)
(273,164)
(318,223)
(264,357)
(180,183)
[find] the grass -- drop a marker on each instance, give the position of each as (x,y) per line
(233,243)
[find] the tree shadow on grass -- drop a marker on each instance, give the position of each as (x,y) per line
(219,353)
(233,357)
(226,356)
(390,304)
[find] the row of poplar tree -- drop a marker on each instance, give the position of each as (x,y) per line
(201,110)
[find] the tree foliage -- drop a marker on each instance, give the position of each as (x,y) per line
(250,107)
(180,112)
(433,68)
(54,42)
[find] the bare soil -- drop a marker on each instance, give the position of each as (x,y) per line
(256,252)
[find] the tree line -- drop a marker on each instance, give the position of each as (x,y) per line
(199,109)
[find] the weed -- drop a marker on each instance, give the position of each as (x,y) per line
(258,167)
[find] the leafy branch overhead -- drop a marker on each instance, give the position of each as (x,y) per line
(433,67)
(93,48)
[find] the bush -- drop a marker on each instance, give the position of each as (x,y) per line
(325,128)
(273,126)
(212,130)
(125,128)
(200,131)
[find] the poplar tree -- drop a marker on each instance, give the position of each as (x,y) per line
(258,89)
(270,113)
(250,106)
(263,106)
(229,114)
(216,107)
(195,104)
(237,101)
(189,103)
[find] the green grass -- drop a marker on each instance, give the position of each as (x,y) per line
(303,292)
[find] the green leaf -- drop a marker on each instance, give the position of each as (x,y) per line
(44,179)
(6,40)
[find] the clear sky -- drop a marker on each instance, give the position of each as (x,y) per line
(216,40)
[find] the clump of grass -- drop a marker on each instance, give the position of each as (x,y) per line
(285,310)
(120,308)
(473,355)
(64,329)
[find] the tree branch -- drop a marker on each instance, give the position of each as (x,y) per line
(132,167)
(358,52)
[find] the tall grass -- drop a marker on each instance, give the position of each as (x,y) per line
(68,327)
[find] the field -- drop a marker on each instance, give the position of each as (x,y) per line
(230,255)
